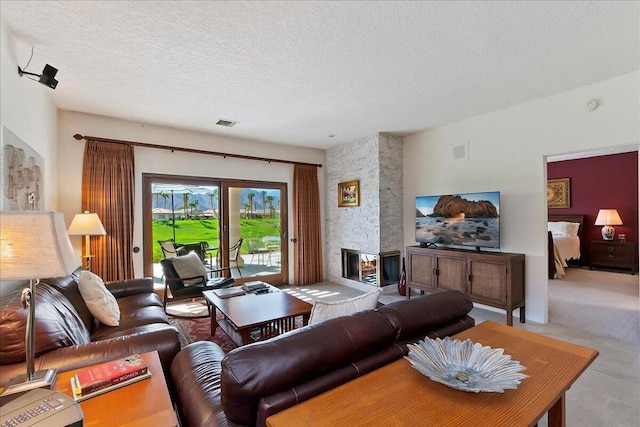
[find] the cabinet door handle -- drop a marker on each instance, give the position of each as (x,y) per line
(435,271)
(610,248)
(610,257)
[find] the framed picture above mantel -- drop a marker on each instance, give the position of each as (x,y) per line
(349,194)
(559,193)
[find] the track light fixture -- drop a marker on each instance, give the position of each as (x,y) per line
(46,78)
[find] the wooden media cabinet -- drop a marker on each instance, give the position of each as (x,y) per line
(495,279)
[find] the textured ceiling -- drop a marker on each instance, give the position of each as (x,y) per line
(297,72)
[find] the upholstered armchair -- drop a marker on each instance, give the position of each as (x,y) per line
(186,277)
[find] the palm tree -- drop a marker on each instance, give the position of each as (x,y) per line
(264,196)
(185,203)
(165,196)
(270,201)
(246,210)
(213,195)
(250,196)
(157,195)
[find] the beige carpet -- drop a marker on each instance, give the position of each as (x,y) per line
(599,302)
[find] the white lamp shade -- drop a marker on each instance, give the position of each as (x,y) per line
(35,245)
(608,217)
(86,224)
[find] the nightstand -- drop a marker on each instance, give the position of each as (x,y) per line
(613,254)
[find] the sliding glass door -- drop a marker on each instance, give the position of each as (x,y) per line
(240,224)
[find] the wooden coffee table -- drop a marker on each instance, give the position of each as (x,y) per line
(256,317)
(399,395)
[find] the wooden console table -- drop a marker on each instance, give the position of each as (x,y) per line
(491,278)
(143,403)
(397,394)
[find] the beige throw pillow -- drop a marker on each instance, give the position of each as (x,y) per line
(190,265)
(100,302)
(325,310)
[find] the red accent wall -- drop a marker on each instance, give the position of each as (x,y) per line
(602,182)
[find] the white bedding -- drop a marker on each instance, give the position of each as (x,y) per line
(568,247)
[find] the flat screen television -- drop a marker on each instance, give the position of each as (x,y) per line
(471,219)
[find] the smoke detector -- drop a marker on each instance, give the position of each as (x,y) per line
(226,123)
(592,105)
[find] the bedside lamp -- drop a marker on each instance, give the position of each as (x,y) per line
(33,245)
(86,224)
(608,217)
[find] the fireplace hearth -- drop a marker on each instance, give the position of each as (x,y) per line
(380,269)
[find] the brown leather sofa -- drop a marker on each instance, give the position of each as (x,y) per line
(255,381)
(69,337)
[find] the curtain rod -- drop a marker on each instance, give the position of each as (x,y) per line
(79,137)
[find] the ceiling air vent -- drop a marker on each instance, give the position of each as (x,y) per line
(226,123)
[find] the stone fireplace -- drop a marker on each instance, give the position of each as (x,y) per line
(372,229)
(380,269)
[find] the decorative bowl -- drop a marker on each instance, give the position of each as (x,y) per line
(466,366)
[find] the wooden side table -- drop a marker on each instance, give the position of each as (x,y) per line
(144,403)
(614,254)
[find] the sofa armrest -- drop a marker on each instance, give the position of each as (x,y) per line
(164,339)
(128,287)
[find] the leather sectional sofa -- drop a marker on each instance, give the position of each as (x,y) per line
(253,382)
(69,337)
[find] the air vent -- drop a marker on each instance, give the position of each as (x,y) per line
(226,123)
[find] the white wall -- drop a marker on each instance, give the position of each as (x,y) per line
(26,109)
(507,152)
(176,163)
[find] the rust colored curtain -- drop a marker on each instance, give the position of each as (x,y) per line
(108,190)
(307,267)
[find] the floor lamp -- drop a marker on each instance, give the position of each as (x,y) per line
(86,224)
(21,235)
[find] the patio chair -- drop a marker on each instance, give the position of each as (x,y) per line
(186,277)
(255,248)
(170,249)
(234,254)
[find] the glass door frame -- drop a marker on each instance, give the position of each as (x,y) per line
(223,185)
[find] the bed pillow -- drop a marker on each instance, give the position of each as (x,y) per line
(563,228)
(325,310)
(100,302)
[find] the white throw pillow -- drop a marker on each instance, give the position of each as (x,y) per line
(190,265)
(325,310)
(100,302)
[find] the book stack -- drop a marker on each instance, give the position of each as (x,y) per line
(108,376)
(254,286)
(233,291)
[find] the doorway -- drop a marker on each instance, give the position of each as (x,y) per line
(582,298)
(239,224)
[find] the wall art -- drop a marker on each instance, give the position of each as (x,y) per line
(349,194)
(558,193)
(21,172)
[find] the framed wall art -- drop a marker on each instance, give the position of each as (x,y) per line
(349,194)
(21,173)
(559,193)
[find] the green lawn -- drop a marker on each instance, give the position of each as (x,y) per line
(206,230)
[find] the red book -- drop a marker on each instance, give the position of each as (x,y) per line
(108,374)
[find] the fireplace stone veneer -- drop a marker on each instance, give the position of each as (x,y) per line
(378,270)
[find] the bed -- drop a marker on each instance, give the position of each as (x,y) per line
(565,235)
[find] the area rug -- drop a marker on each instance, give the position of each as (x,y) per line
(192,330)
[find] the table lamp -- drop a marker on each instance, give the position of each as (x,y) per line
(33,245)
(608,217)
(86,224)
